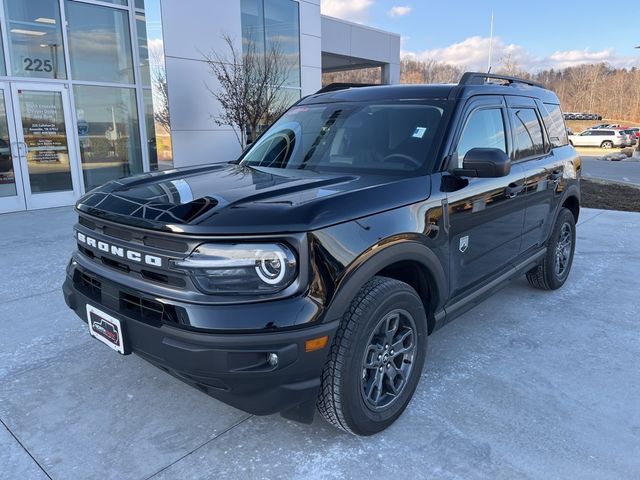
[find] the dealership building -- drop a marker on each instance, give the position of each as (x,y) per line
(92,90)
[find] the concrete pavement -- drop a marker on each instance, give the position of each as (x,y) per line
(529,384)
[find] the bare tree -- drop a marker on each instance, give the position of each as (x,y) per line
(161,95)
(159,87)
(250,86)
(613,93)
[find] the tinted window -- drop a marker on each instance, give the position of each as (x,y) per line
(484,129)
(528,132)
(554,120)
(360,137)
(110,140)
(35,38)
(99,43)
(273,26)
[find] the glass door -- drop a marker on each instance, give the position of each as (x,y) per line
(11,191)
(45,144)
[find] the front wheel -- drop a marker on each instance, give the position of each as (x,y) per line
(556,264)
(376,359)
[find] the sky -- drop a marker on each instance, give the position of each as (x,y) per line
(536,34)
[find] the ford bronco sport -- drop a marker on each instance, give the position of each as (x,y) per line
(310,272)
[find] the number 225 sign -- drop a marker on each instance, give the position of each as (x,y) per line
(37,65)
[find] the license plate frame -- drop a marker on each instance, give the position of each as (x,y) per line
(106,328)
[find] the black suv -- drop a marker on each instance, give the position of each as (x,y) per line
(310,272)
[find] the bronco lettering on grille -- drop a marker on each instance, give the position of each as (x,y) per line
(117,251)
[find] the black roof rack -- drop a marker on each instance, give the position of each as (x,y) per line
(478,78)
(332,87)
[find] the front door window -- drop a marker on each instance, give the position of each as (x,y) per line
(45,141)
(7,172)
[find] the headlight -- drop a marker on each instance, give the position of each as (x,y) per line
(241,269)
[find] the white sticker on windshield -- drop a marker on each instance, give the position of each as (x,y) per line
(419,132)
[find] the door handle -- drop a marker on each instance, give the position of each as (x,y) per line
(513,189)
(19,148)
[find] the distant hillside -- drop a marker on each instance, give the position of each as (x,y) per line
(598,88)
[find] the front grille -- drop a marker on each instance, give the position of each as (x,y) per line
(147,311)
(130,304)
(139,241)
(87,223)
(149,239)
(89,285)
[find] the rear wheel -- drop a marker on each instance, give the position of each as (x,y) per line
(376,359)
(556,265)
(607,144)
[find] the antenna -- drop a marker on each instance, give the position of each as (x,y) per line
(490,43)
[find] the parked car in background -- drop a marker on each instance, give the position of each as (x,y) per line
(632,136)
(608,138)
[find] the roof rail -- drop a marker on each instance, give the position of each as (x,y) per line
(332,87)
(478,78)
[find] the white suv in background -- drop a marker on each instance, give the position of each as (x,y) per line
(603,138)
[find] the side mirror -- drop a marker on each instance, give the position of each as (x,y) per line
(484,163)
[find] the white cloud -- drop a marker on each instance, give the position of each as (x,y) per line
(473,53)
(352,10)
(399,11)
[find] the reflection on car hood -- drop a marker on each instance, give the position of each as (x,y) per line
(230,199)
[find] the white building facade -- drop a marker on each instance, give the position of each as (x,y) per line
(92,90)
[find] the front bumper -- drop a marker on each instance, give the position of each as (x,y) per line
(231,367)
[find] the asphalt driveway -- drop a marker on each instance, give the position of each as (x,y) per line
(623,172)
(529,384)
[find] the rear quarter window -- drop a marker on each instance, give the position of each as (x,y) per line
(554,122)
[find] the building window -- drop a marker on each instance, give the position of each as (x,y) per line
(154,80)
(116,2)
(274,25)
(99,43)
(3,66)
(282,32)
(35,38)
(109,133)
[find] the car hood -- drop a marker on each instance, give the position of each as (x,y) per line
(230,199)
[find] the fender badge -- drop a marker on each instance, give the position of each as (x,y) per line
(464,243)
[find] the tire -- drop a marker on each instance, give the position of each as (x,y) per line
(606,144)
(547,276)
(350,379)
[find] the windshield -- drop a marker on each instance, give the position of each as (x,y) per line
(379,138)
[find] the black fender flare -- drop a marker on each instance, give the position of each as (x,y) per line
(380,256)
(572,190)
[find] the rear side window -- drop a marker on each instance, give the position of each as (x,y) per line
(554,121)
(484,129)
(528,133)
